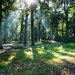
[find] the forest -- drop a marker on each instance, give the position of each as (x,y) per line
(37,37)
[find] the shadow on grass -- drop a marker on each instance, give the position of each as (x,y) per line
(65,54)
(21,64)
(41,65)
(4,57)
(68,68)
(33,61)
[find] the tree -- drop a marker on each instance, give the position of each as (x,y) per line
(1,24)
(21,32)
(7,5)
(32,25)
(66,13)
(26,25)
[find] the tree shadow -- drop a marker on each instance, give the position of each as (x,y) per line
(32,61)
(42,67)
(18,64)
(64,53)
(4,58)
(69,67)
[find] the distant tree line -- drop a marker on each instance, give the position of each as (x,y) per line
(53,19)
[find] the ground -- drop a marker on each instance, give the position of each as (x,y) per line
(42,59)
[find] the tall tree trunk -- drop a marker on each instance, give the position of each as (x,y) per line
(32,26)
(16,30)
(62,28)
(21,32)
(56,32)
(74,29)
(1,24)
(5,29)
(0,36)
(25,35)
(5,32)
(39,31)
(66,12)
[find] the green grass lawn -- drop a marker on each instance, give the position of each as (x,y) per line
(44,59)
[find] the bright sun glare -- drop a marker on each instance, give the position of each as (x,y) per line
(29,2)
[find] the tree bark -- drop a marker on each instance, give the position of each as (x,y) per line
(39,31)
(32,26)
(66,12)
(21,32)
(62,28)
(25,35)
(1,24)
(5,32)
(5,29)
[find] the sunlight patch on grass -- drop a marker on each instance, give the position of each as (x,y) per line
(40,50)
(42,47)
(5,62)
(57,61)
(11,57)
(60,48)
(63,57)
(71,53)
(30,48)
(2,51)
(29,54)
(60,55)
(53,41)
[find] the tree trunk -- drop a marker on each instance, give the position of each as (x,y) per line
(0,36)
(32,26)
(16,31)
(25,35)
(5,32)
(39,31)
(5,29)
(21,33)
(62,28)
(66,12)
(1,24)
(56,32)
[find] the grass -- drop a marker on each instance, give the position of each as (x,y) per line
(45,59)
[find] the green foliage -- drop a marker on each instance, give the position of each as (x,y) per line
(8,5)
(69,47)
(46,47)
(2,66)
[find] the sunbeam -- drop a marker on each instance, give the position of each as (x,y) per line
(29,1)
(10,21)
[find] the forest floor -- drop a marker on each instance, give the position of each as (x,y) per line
(52,58)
